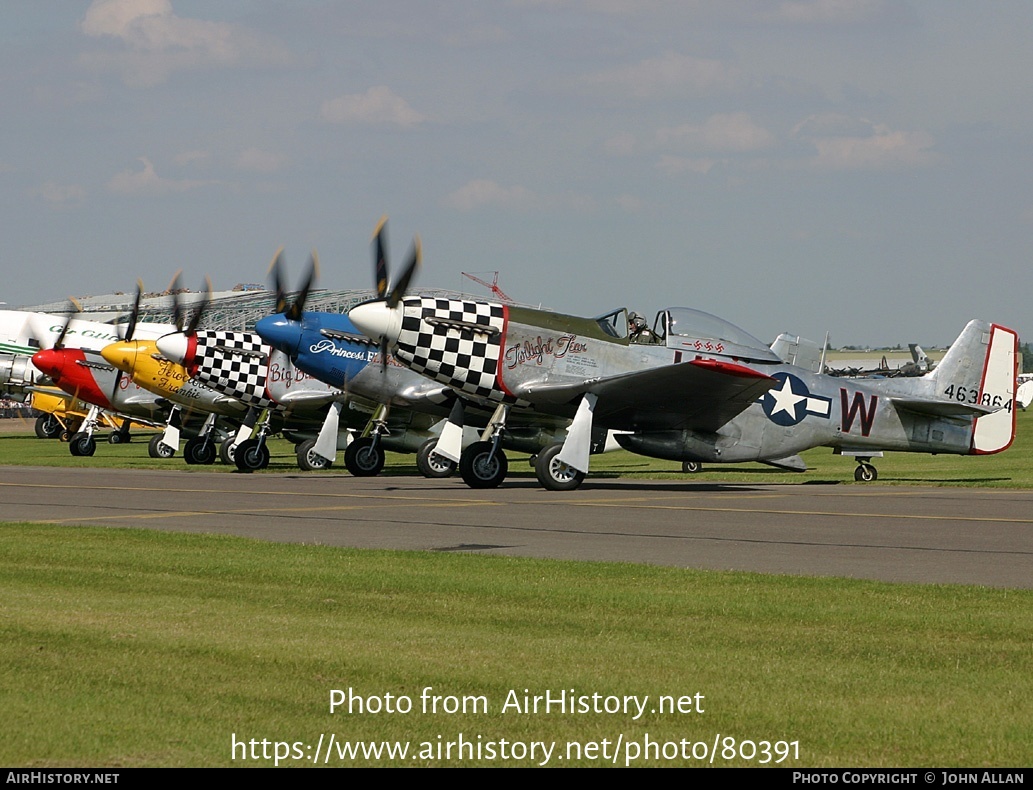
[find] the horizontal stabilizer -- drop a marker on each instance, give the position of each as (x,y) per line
(941,408)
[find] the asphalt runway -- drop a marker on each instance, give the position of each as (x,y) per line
(891,533)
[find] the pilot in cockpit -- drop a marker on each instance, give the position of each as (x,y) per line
(639,331)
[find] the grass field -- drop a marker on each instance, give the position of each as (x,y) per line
(135,648)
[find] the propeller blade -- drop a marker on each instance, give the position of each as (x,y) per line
(75,308)
(380,257)
(177,307)
(276,269)
(134,316)
(195,319)
(295,310)
(403,282)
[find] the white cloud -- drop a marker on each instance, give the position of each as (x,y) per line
(378,105)
(829,11)
(259,161)
(668,75)
(622,144)
(843,143)
(722,132)
(161,43)
(482,192)
(148,182)
(60,193)
(676,165)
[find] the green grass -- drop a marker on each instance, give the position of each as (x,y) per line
(135,648)
(1010,469)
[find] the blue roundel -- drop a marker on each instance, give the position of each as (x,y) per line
(790,401)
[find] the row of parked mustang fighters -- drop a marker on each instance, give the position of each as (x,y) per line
(460,381)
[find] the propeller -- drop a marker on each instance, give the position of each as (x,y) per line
(295,310)
(134,317)
(74,309)
(380,274)
(178,312)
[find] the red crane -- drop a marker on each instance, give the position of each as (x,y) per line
(493,285)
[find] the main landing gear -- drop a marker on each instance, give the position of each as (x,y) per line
(553,474)
(432,465)
(483,464)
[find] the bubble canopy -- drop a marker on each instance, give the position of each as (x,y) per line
(688,328)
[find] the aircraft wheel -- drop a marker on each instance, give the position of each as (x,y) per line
(66,435)
(251,456)
(47,427)
(309,460)
(199,451)
(480,472)
(82,444)
(227,451)
(553,474)
(115,437)
(691,467)
(431,464)
(156,448)
(866,473)
(363,459)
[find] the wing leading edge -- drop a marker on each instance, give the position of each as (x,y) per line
(700,395)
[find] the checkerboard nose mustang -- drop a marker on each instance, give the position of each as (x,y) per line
(699,391)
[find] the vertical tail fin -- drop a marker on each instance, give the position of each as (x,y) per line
(980,369)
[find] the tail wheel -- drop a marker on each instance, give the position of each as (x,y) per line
(251,456)
(156,448)
(866,473)
(691,467)
(431,464)
(48,427)
(553,474)
(309,460)
(364,458)
(480,468)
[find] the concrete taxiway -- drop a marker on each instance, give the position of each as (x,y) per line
(928,535)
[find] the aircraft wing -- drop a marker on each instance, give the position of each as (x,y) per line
(701,394)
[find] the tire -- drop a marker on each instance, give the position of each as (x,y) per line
(199,451)
(363,459)
(866,473)
(431,464)
(116,437)
(691,467)
(553,474)
(227,452)
(156,448)
(48,427)
(251,456)
(82,444)
(309,460)
(66,435)
(477,471)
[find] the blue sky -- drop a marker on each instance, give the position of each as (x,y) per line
(862,167)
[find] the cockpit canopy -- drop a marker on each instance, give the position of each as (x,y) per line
(693,330)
